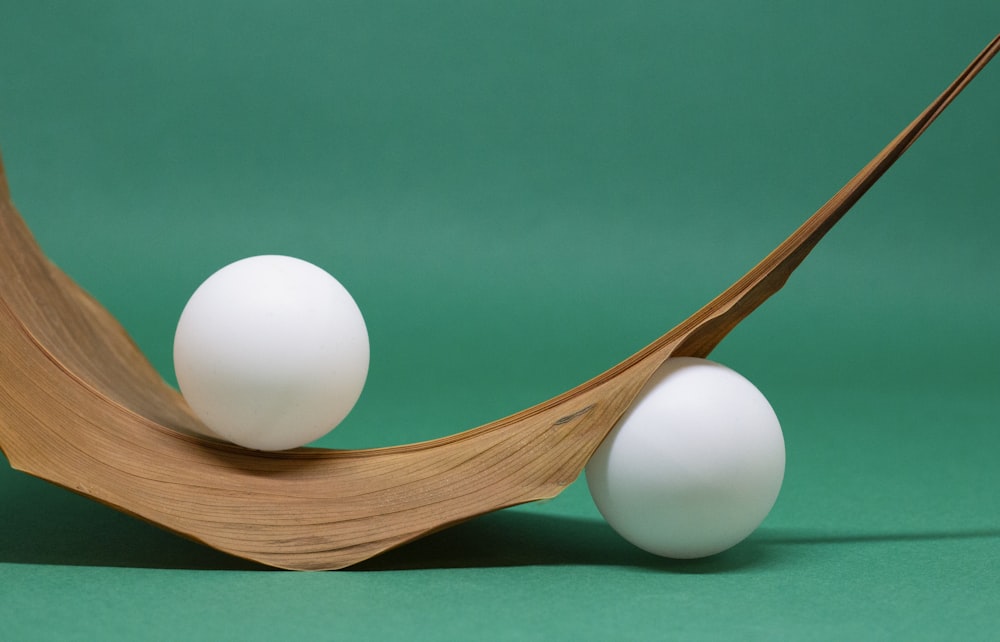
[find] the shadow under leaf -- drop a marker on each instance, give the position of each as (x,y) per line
(44,524)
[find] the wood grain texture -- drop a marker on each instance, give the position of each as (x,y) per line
(82,408)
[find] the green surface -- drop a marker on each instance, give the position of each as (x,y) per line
(519,195)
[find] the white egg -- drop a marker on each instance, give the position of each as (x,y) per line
(271,352)
(694,465)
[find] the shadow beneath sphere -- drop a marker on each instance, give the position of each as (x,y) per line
(799,537)
(516,537)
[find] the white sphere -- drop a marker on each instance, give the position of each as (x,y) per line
(694,465)
(271,352)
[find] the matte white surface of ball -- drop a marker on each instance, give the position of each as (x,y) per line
(271,352)
(694,465)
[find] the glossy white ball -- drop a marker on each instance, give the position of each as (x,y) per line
(271,352)
(694,465)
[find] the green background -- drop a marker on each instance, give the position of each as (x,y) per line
(519,195)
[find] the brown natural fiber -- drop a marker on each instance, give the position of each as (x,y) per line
(81,407)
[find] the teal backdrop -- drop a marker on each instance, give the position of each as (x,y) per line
(519,195)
